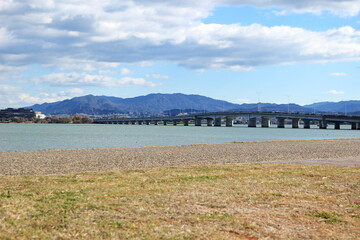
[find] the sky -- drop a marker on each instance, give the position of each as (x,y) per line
(241,51)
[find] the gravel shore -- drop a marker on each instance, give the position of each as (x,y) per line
(345,152)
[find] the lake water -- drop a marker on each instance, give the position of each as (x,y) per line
(22,137)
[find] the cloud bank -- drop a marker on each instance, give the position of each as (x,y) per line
(16,95)
(345,8)
(88,34)
(82,79)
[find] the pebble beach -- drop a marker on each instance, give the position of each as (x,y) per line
(341,152)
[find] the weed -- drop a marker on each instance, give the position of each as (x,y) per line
(5,195)
(27,195)
(119,224)
(216,215)
(200,178)
(247,225)
(329,218)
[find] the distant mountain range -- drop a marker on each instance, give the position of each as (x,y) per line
(351,107)
(149,104)
(172,104)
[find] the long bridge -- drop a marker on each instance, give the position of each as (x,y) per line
(218,118)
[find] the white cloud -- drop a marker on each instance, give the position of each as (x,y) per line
(280,13)
(46,96)
(5,37)
(338,74)
(83,79)
(27,99)
(7,89)
(69,63)
(17,97)
(241,68)
(126,71)
(73,92)
(335,92)
(157,76)
(128,81)
(68,93)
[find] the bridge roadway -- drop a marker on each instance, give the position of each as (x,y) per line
(216,119)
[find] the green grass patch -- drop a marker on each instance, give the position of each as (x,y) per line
(199,178)
(329,218)
(5,195)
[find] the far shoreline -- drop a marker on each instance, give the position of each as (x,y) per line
(177,145)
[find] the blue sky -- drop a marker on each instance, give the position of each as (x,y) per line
(241,51)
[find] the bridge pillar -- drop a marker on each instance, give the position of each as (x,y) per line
(209,122)
(323,124)
(252,122)
(295,122)
(186,122)
(358,126)
(353,126)
(280,122)
(337,125)
(229,121)
(175,122)
(147,122)
(140,122)
(265,122)
(198,122)
(155,122)
(121,122)
(127,123)
(306,123)
(164,123)
(133,123)
(217,122)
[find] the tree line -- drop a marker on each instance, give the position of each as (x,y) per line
(73,119)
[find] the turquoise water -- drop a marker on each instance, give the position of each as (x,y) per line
(22,137)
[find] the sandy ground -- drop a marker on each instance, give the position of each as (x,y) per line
(339,152)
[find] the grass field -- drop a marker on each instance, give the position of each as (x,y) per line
(248,201)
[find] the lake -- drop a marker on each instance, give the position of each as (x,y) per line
(22,137)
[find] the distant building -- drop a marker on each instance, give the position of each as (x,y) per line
(39,115)
(17,112)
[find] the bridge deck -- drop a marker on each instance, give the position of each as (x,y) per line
(215,119)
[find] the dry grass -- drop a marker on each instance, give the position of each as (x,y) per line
(249,201)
